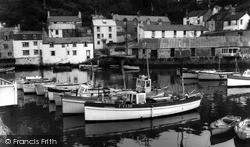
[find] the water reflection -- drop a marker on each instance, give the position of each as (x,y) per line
(35,115)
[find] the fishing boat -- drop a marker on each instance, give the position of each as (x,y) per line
(243,129)
(29,85)
(214,75)
(136,106)
(224,124)
(7,69)
(188,73)
(239,80)
(22,80)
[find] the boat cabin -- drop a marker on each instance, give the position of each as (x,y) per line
(83,90)
(246,73)
(133,97)
(143,84)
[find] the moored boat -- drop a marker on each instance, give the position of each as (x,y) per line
(239,80)
(214,75)
(136,106)
(129,67)
(243,129)
(224,124)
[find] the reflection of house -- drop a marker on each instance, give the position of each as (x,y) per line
(169,31)
(104,32)
(67,50)
(27,46)
(63,26)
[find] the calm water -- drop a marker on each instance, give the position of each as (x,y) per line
(34,115)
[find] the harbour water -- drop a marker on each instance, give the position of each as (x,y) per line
(36,116)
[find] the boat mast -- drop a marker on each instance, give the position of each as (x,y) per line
(147,62)
(123,74)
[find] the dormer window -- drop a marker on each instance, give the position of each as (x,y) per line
(34,37)
(160,21)
(51,44)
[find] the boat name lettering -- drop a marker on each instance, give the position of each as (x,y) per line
(125,105)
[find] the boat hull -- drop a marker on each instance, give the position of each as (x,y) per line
(189,75)
(213,76)
(29,88)
(238,81)
(113,112)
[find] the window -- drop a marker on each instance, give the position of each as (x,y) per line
(24,37)
(36,52)
(184,33)
(35,43)
(102,35)
(192,52)
(57,32)
(74,52)
(26,52)
(9,53)
(198,21)
(163,34)
(75,79)
(88,54)
(241,21)
(187,22)
(98,42)
(143,51)
(98,36)
(52,53)
(6,37)
(229,22)
(98,29)
(195,33)
(51,45)
(6,46)
(74,44)
(85,44)
(25,44)
(110,36)
(175,32)
(212,51)
(34,37)
(63,45)
(153,34)
(110,29)
(68,52)
(172,52)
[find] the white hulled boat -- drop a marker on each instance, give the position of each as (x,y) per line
(135,106)
(239,80)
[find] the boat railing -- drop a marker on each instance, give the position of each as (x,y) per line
(5,82)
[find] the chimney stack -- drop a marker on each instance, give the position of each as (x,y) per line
(48,14)
(79,14)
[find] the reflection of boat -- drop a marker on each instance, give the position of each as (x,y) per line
(112,128)
(129,67)
(243,129)
(135,106)
(73,122)
(224,124)
(235,91)
(239,80)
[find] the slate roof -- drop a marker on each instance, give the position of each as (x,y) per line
(196,13)
(218,16)
(235,16)
(140,18)
(101,22)
(68,40)
(174,27)
(64,19)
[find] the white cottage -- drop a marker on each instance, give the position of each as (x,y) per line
(27,46)
(169,31)
(236,21)
(72,50)
(104,32)
(63,26)
(197,17)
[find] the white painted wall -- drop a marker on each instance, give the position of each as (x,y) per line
(59,26)
(193,20)
(169,34)
(61,53)
(237,26)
